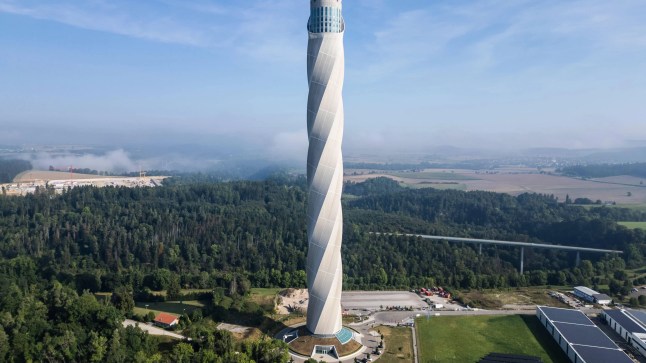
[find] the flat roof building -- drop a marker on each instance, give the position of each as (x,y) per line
(630,325)
(592,296)
(580,339)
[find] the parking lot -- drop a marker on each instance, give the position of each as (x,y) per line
(378,300)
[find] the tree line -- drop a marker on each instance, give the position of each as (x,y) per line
(605,170)
(56,250)
(10,168)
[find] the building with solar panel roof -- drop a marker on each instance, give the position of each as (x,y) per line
(579,337)
(631,325)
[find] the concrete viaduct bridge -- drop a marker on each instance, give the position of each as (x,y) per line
(522,245)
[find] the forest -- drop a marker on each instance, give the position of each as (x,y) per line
(57,250)
(10,168)
(605,170)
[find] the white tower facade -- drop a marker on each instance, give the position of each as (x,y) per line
(325,73)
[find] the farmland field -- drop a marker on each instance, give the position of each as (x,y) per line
(433,175)
(31,175)
(399,345)
(514,181)
(469,338)
(634,225)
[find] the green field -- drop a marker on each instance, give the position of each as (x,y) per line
(399,345)
(265,297)
(634,225)
(440,186)
(469,338)
(171,307)
(432,175)
(641,207)
(638,206)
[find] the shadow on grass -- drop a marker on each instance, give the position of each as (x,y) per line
(556,354)
(268,324)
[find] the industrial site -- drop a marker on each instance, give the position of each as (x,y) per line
(30,181)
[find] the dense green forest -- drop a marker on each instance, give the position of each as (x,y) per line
(605,170)
(56,250)
(10,168)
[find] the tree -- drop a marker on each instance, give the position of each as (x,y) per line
(642,300)
(174,290)
(116,352)
(123,300)
(160,279)
(268,351)
(98,347)
(4,345)
(182,353)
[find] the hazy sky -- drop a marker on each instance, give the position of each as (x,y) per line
(569,73)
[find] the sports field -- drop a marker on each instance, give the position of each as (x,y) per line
(469,338)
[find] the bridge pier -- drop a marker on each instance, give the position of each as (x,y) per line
(577,261)
(480,249)
(522,258)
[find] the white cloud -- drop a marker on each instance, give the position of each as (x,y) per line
(289,145)
(112,21)
(113,161)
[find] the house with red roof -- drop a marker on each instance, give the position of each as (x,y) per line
(165,320)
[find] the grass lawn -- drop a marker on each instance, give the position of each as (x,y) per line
(271,291)
(634,225)
(171,307)
(184,291)
(265,297)
(469,338)
(399,345)
(433,175)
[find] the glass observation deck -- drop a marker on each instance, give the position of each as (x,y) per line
(326,20)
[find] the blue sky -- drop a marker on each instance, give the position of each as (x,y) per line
(487,73)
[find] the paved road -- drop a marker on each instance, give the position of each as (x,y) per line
(153,330)
(639,292)
(416,360)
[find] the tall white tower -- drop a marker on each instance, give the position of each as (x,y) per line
(325,72)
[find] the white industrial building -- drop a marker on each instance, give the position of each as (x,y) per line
(581,340)
(592,296)
(631,325)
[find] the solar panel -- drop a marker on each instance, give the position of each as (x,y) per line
(590,343)
(566,315)
(584,334)
(639,315)
(601,355)
(625,321)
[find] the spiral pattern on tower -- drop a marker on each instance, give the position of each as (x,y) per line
(325,73)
